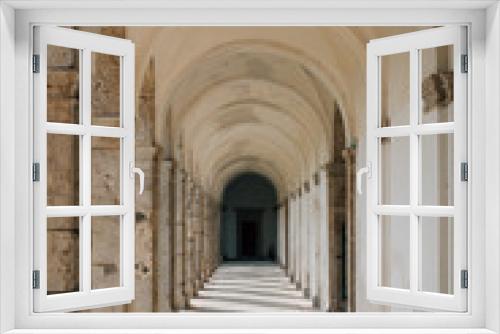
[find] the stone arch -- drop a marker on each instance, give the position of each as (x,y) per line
(309,126)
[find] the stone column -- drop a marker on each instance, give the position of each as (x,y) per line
(283,240)
(164,273)
(205,264)
(285,234)
(318,238)
(298,239)
(314,240)
(279,236)
(197,238)
(211,244)
(291,237)
(188,236)
(349,156)
(326,242)
(304,235)
(210,238)
(216,235)
(195,230)
(179,240)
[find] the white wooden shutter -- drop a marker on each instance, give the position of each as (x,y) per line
(409,259)
(85,212)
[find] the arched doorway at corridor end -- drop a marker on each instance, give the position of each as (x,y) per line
(249,219)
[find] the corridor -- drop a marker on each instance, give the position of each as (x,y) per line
(250,140)
(250,287)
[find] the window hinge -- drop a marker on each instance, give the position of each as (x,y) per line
(36,172)
(464,279)
(464,171)
(465,63)
(36,279)
(36,63)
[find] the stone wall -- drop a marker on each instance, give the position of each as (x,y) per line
(62,170)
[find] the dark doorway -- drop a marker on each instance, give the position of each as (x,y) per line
(249,219)
(248,225)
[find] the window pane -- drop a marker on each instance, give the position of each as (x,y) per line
(63,249)
(105,171)
(63,168)
(436,254)
(437,84)
(437,169)
(63,84)
(105,90)
(395,170)
(395,251)
(395,90)
(106,252)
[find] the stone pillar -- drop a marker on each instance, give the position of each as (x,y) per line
(349,156)
(216,235)
(291,237)
(197,220)
(188,236)
(326,242)
(285,234)
(145,224)
(211,246)
(314,240)
(280,240)
(179,240)
(212,238)
(283,239)
(304,236)
(163,240)
(298,239)
(205,264)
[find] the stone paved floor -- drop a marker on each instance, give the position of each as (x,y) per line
(250,287)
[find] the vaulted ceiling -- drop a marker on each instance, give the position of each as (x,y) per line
(231,100)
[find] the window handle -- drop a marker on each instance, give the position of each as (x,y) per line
(135,170)
(359,176)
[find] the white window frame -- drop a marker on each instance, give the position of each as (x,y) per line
(16,21)
(411,44)
(86,44)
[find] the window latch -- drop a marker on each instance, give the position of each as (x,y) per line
(135,170)
(36,279)
(464,279)
(36,63)
(359,176)
(36,172)
(464,171)
(465,63)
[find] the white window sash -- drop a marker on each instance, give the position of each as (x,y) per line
(412,43)
(86,297)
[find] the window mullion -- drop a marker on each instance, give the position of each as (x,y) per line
(414,170)
(86,177)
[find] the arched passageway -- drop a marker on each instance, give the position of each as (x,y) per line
(248,219)
(222,111)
